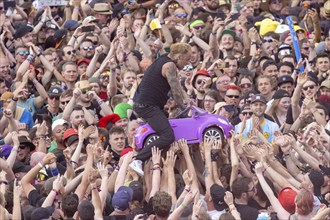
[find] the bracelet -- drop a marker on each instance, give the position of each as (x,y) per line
(286,155)
(3,182)
(100,102)
(14,99)
(232,209)
(162,22)
(40,165)
(55,191)
(156,168)
(75,37)
(117,168)
(213,33)
(74,162)
(253,42)
(187,189)
(156,164)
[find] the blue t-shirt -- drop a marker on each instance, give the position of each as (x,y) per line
(28,105)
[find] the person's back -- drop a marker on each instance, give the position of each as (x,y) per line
(154,87)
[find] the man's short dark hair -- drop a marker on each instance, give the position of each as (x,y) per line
(268,63)
(86,210)
(161,204)
(322,55)
(69,205)
(240,186)
(286,64)
(116,130)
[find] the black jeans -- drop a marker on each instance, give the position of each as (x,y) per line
(157,120)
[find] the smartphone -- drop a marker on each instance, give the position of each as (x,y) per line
(9,4)
(221,15)
(223,65)
(87,28)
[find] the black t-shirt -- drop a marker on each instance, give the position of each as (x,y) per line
(247,212)
(253,203)
(44,111)
(96,108)
(34,197)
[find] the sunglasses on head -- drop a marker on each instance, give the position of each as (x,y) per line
(245,85)
(54,97)
(71,52)
(181,15)
(22,53)
(233,96)
(88,48)
(247,113)
(188,68)
(173,6)
(308,87)
(199,27)
(84,91)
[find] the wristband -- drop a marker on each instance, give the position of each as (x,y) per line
(162,22)
(40,165)
(253,42)
(14,99)
(213,33)
(100,102)
(156,168)
(55,191)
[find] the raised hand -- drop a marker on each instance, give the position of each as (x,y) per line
(58,183)
(183,146)
(259,168)
(107,155)
(67,152)
(170,159)
(42,129)
(76,93)
(156,155)
(8,113)
(187,178)
(14,137)
(103,171)
(49,158)
(302,78)
(229,198)
(92,176)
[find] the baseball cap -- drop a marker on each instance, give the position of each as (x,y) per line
(70,136)
(83,60)
(228,31)
(122,198)
(219,105)
(89,19)
(200,72)
(59,122)
(104,121)
(55,91)
(317,179)
(284,79)
(71,24)
(42,213)
(24,142)
(83,84)
(22,31)
(20,167)
(155,24)
(286,197)
(258,98)
(137,188)
(218,193)
(281,94)
(326,84)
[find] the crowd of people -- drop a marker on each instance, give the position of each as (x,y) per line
(78,78)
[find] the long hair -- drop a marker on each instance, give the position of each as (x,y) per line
(273,107)
(304,202)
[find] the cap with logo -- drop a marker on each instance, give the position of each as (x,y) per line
(218,193)
(55,91)
(122,198)
(258,98)
(285,79)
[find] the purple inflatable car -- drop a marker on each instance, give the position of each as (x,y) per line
(201,125)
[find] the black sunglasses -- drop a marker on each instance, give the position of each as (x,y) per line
(72,51)
(247,113)
(88,48)
(199,81)
(65,102)
(84,91)
(233,96)
(306,87)
(54,97)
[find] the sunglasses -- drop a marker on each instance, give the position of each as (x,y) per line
(71,52)
(198,82)
(188,68)
(84,91)
(88,48)
(305,48)
(173,6)
(22,53)
(247,113)
(233,96)
(199,27)
(181,15)
(269,40)
(65,102)
(245,85)
(55,97)
(308,87)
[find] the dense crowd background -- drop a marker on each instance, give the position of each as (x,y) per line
(68,75)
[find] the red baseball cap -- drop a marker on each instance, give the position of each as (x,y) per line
(104,121)
(68,134)
(83,60)
(198,73)
(125,151)
(286,197)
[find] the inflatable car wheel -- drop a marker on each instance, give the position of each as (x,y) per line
(213,132)
(150,138)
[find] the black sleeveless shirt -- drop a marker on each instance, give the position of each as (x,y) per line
(154,88)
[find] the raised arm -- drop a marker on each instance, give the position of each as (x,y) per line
(156,170)
(170,72)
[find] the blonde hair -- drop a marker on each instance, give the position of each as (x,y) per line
(273,107)
(180,48)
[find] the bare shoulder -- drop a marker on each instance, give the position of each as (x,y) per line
(169,69)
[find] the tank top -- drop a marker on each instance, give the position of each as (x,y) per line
(154,88)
